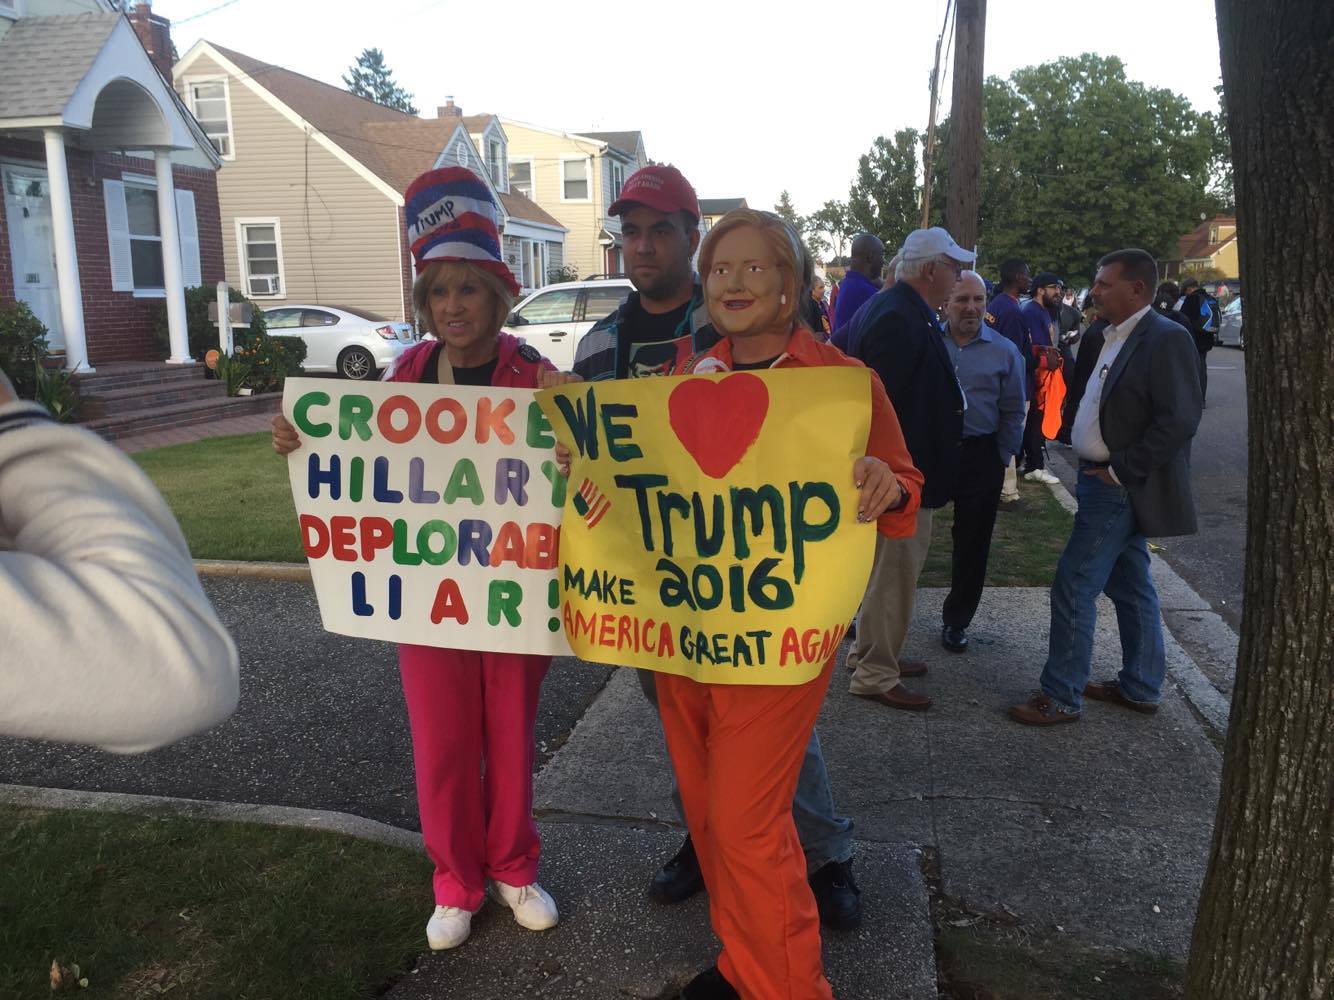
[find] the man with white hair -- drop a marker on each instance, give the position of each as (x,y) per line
(991,372)
(896,334)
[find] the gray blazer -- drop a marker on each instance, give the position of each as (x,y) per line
(1149,411)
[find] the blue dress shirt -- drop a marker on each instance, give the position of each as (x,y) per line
(991,373)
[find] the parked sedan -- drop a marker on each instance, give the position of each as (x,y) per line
(1230,331)
(353,344)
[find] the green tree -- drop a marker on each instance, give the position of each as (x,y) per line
(804,225)
(885,199)
(831,222)
(1079,160)
(369,77)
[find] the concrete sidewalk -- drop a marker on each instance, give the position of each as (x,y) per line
(1098,830)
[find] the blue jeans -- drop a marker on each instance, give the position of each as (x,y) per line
(824,835)
(1106,553)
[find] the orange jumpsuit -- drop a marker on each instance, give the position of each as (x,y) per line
(737,752)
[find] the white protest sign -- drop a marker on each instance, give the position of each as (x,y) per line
(429,514)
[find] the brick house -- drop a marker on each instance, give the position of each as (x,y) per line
(110,202)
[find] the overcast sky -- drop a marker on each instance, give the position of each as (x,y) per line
(745,102)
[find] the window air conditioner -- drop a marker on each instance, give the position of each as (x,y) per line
(264,285)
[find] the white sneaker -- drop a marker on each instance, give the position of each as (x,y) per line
(1041,476)
(532,905)
(448,927)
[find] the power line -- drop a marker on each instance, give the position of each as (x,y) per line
(204,13)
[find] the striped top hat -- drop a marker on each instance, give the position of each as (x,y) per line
(452,216)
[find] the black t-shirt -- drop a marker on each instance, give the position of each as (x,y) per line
(647,340)
(479,375)
(738,366)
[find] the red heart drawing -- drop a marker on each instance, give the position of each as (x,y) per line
(717,422)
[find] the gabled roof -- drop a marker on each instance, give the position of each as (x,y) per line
(1196,244)
(395,146)
(44,59)
(627,142)
(720,206)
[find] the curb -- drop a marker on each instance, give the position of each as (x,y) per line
(260,570)
(1206,699)
(232,812)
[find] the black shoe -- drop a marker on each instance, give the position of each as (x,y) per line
(837,897)
(954,639)
(678,879)
(710,985)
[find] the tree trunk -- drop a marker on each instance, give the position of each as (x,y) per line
(965,145)
(1265,926)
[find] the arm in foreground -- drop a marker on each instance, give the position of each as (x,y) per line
(108,637)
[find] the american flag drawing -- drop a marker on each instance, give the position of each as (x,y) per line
(591,504)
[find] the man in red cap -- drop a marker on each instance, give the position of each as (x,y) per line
(660,231)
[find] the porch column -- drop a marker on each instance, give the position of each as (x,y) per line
(67,260)
(172,272)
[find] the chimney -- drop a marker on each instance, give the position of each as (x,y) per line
(449,109)
(155,34)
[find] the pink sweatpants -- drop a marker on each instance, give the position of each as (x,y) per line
(472,717)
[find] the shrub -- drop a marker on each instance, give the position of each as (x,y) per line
(55,390)
(271,359)
(233,371)
(23,346)
(202,334)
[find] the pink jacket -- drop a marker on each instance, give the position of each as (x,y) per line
(517,364)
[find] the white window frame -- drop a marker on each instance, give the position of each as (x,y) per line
(532,175)
(617,178)
(461,154)
(244,261)
(189,82)
(588,179)
(12,8)
(148,184)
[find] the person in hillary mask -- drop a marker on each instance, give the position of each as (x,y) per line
(470,712)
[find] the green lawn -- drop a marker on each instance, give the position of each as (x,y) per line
(232,498)
(192,909)
(1028,540)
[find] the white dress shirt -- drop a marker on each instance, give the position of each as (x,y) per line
(1086,435)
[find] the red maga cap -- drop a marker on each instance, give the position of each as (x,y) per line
(663,188)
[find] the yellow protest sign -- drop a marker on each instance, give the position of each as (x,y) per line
(710,528)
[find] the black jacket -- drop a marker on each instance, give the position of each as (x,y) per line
(895,335)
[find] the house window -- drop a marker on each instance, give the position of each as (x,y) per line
(145,237)
(209,102)
(708,223)
(461,154)
(494,161)
(521,177)
(1213,234)
(259,246)
(574,179)
(134,236)
(617,180)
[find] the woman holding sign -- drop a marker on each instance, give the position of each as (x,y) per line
(737,749)
(472,713)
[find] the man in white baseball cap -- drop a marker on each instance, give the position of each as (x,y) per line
(897,335)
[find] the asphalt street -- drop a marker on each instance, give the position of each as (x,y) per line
(1214,559)
(321,725)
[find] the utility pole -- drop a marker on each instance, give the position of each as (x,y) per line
(965,152)
(929,153)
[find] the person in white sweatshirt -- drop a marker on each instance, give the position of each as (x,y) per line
(106,637)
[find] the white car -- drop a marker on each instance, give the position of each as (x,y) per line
(555,318)
(353,344)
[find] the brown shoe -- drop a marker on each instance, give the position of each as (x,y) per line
(900,697)
(912,668)
(1040,710)
(1111,691)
